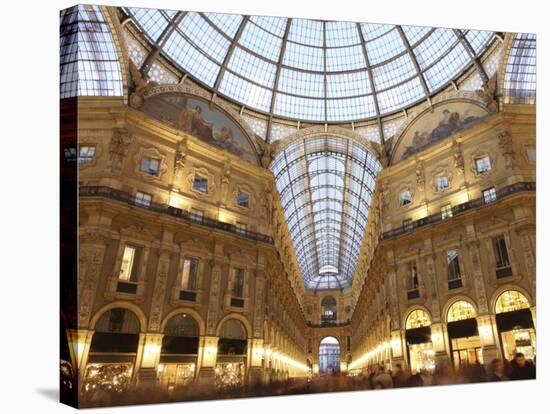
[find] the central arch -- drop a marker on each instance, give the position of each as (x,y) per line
(329,356)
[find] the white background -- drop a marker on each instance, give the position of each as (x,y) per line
(29,253)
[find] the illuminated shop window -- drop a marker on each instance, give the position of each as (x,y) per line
(446,211)
(189,274)
(150,165)
(128,267)
(483,164)
(86,154)
(143,199)
(243,199)
(510,301)
(417,319)
(460,311)
(489,195)
(200,184)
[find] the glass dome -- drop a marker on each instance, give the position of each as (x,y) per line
(312,70)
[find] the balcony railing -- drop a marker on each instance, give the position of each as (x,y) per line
(458,209)
(127,198)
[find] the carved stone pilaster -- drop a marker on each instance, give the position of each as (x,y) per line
(213,302)
(91,255)
(530,262)
(259,303)
(506,147)
(224,188)
(477,277)
(160,290)
(432,280)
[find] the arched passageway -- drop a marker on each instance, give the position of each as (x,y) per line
(329,356)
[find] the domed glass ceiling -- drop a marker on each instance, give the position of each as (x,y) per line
(311,70)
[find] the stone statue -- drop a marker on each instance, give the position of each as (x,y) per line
(119,147)
(488,93)
(506,147)
(140,83)
(458,158)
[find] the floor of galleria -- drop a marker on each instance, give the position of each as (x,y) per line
(271,205)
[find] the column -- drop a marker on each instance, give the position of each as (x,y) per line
(488,335)
(440,343)
(148,357)
(397,346)
(256,355)
(80,341)
(208,352)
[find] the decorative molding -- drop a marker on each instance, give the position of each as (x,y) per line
(119,146)
(251,196)
(479,153)
(441,170)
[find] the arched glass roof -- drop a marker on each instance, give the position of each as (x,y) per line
(89,63)
(311,70)
(520,75)
(325,185)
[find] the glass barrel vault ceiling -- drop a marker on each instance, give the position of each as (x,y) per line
(325,185)
(311,70)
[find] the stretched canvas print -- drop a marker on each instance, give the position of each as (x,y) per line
(257,205)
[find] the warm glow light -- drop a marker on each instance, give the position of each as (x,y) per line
(462,197)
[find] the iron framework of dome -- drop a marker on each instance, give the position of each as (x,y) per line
(325,184)
(311,70)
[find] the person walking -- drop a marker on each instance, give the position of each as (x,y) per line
(522,369)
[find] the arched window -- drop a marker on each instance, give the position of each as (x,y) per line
(232,340)
(510,301)
(328,309)
(181,335)
(417,319)
(118,320)
(461,310)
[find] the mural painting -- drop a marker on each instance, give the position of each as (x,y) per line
(198,118)
(433,126)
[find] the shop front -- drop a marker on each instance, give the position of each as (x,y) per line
(113,350)
(178,357)
(515,325)
(420,352)
(231,360)
(464,340)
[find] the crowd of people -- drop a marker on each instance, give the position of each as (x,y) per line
(376,377)
(519,368)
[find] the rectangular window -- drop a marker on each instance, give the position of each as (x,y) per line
(189,274)
(407,225)
(441,183)
(453,270)
(200,184)
(483,164)
(143,199)
(150,165)
(241,228)
(86,154)
(412,276)
(238,283)
(501,252)
(446,211)
(405,198)
(128,267)
(243,199)
(489,195)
